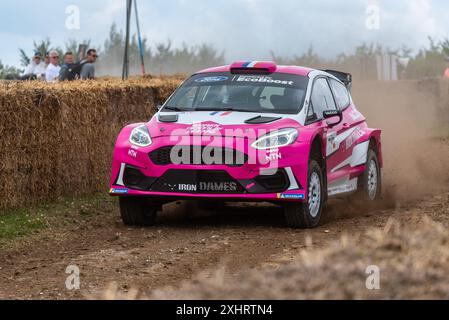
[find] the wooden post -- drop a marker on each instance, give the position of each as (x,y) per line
(125,72)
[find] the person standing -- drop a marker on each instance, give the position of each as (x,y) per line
(88,67)
(36,68)
(66,69)
(53,69)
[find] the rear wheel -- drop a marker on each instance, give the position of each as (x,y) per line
(307,215)
(371,184)
(137,211)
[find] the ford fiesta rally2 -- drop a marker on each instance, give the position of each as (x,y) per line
(250,131)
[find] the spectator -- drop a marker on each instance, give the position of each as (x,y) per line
(36,68)
(53,69)
(88,68)
(66,69)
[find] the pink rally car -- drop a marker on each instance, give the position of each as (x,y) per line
(251,131)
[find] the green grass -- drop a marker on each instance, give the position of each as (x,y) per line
(21,222)
(26,221)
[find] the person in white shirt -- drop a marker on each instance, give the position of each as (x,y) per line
(53,69)
(36,68)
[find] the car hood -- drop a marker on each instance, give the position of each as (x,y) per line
(221,123)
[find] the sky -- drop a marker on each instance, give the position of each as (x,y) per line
(244,29)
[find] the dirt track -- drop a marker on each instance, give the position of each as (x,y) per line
(238,238)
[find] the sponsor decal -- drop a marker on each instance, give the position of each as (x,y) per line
(332,145)
(118,191)
(172,187)
(334,141)
(224,114)
(221,113)
(187,187)
(218,186)
(132,153)
(291,196)
(250,64)
(356,135)
(203,187)
(204,128)
(211,79)
(273,155)
(263,79)
(354,114)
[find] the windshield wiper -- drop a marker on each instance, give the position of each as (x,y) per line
(224,109)
(173,108)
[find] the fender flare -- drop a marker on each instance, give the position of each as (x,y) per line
(319,136)
(373,135)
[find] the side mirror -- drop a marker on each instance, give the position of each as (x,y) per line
(159,107)
(333,113)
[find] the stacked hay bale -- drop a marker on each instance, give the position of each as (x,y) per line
(57,139)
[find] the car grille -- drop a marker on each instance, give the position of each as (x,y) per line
(219,156)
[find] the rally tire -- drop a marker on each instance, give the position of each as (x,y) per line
(371,184)
(307,215)
(137,211)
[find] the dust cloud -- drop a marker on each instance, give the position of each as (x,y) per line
(415,126)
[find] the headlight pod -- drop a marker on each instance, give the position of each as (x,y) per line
(276,139)
(140,136)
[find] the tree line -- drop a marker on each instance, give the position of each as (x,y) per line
(164,58)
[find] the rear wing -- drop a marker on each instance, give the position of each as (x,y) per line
(344,77)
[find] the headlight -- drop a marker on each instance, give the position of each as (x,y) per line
(276,139)
(140,136)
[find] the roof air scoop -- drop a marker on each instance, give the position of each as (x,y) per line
(253,67)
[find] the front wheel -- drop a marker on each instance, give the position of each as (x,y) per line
(307,215)
(137,211)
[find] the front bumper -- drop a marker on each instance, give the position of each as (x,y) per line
(281,185)
(135,172)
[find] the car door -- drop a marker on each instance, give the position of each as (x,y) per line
(322,99)
(346,134)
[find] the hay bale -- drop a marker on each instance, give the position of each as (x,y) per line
(57,139)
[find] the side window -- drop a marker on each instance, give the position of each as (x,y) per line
(322,98)
(341,94)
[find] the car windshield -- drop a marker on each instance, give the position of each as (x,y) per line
(274,93)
